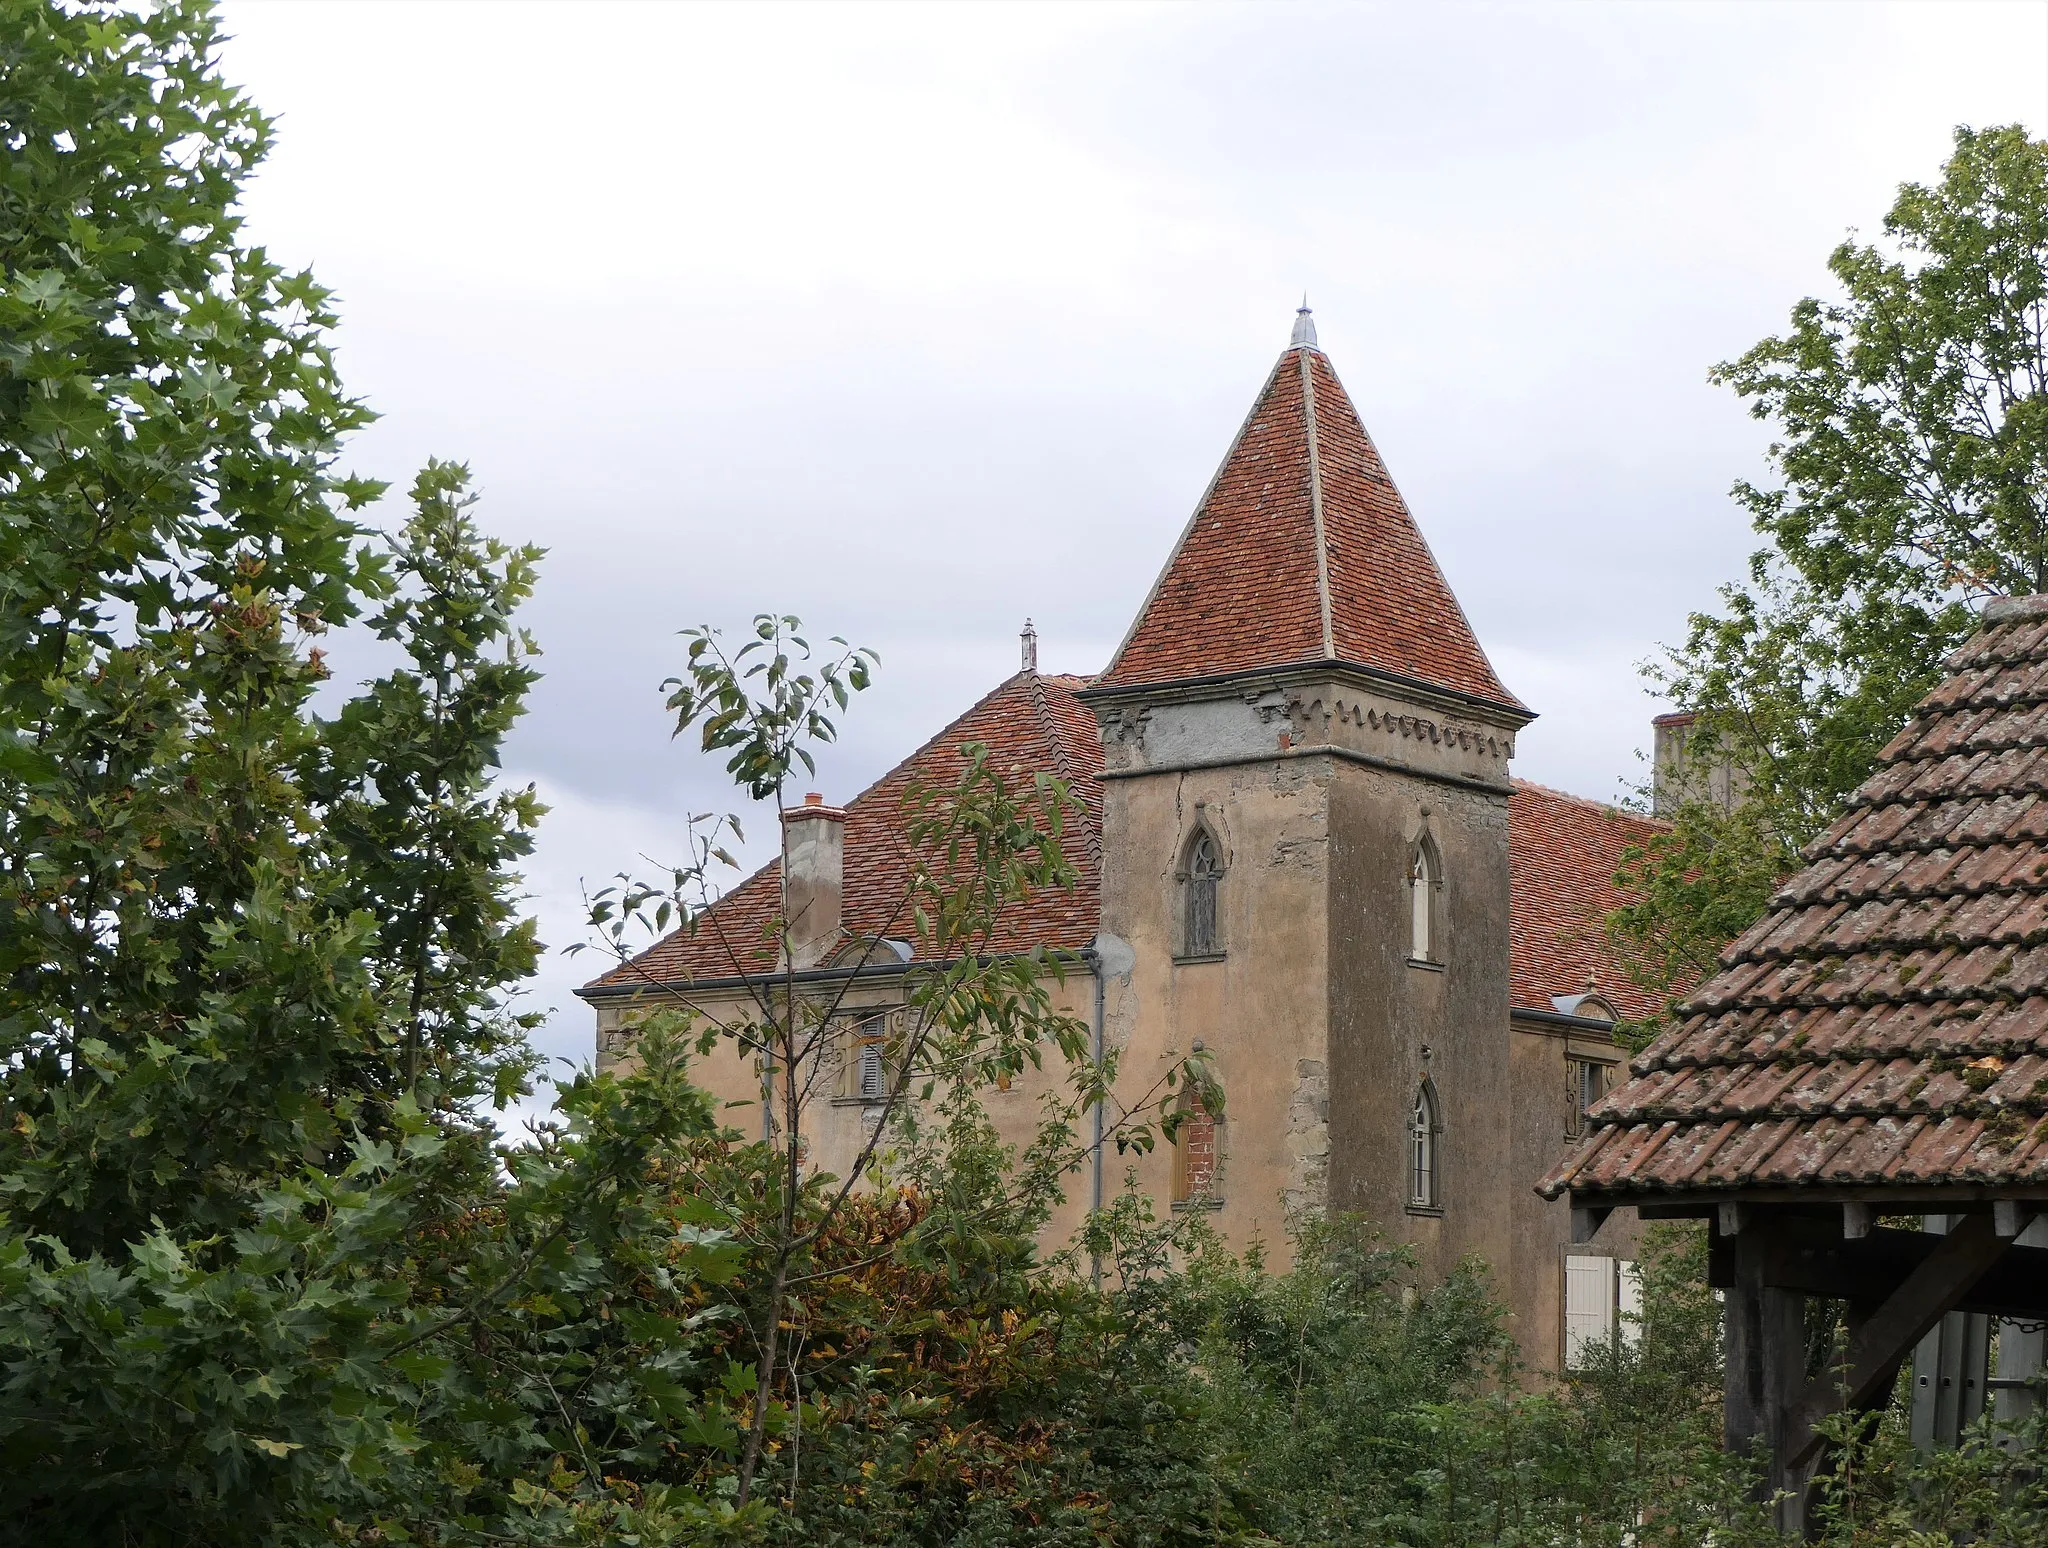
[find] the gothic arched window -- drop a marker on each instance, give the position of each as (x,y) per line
(1425,902)
(1425,1135)
(1201,883)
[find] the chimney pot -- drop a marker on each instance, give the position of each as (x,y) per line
(814,799)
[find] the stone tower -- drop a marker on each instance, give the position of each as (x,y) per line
(1305,842)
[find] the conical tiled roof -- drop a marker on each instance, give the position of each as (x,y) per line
(1302,550)
(1885,1024)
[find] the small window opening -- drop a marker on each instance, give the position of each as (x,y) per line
(866,1072)
(1204,876)
(1425,883)
(1424,1135)
(873,1079)
(1603,1302)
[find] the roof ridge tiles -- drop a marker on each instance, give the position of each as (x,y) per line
(1595,802)
(1063,763)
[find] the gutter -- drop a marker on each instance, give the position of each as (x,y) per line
(827,975)
(1561,1019)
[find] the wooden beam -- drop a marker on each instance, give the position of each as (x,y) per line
(2009,1217)
(1810,1258)
(1587,1219)
(1857,1221)
(1884,1338)
(1648,1211)
(1728,1219)
(1720,1261)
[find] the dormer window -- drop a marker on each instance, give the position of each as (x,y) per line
(1201,887)
(1425,902)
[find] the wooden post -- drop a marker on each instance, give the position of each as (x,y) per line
(2020,1348)
(1766,1369)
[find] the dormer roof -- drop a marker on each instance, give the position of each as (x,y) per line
(1301,551)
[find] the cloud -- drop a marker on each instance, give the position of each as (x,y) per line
(919,320)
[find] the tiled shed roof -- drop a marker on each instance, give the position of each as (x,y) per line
(1885,1024)
(1303,550)
(1029,722)
(1563,853)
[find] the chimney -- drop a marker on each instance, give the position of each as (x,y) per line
(813,878)
(1030,639)
(1678,772)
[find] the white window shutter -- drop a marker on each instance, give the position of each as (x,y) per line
(1628,1300)
(1588,1306)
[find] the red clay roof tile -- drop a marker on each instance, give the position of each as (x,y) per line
(1028,723)
(1563,853)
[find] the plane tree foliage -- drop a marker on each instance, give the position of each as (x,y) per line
(1909,453)
(266,1274)
(263,1275)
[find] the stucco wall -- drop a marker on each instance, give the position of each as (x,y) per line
(836,1127)
(1396,1022)
(1533,1277)
(1316,792)
(1259,1008)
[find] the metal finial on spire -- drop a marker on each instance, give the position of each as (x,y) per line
(1030,638)
(1304,325)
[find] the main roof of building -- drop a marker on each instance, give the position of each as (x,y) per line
(1563,854)
(1302,550)
(1885,1024)
(1029,723)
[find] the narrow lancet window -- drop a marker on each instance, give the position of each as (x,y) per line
(1424,886)
(1424,1132)
(1204,878)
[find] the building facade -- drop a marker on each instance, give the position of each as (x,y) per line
(1304,854)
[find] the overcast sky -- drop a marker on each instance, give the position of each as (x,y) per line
(919,320)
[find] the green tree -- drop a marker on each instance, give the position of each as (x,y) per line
(174,533)
(260,1271)
(1911,451)
(263,1276)
(978,846)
